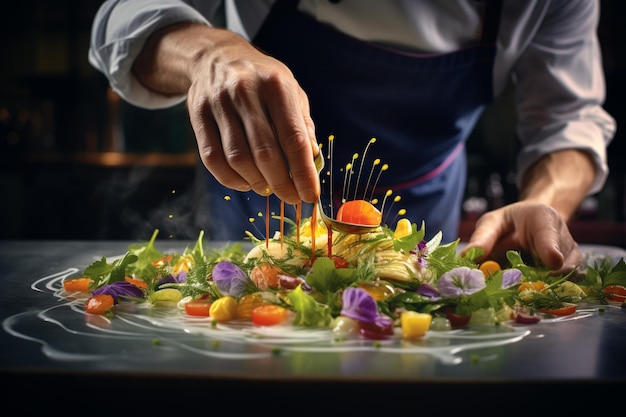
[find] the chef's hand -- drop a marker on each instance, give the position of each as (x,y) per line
(250,116)
(531,227)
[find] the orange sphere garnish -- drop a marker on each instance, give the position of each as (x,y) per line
(359,212)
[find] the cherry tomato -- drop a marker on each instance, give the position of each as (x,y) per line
(456,320)
(615,292)
(199,308)
(375,330)
(77,284)
(268,315)
(359,212)
(99,304)
(566,309)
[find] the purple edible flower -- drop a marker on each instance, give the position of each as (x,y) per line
(428,290)
(120,289)
(461,281)
(511,277)
(229,278)
(359,305)
(171,279)
(421,250)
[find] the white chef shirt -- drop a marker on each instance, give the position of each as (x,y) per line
(548,48)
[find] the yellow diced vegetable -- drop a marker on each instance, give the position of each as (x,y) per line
(414,324)
(224,309)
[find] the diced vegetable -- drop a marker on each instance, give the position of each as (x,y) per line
(414,324)
(224,309)
(483,316)
(440,324)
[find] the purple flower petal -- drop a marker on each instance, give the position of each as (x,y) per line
(461,281)
(229,278)
(511,277)
(181,278)
(168,279)
(359,305)
(120,289)
(428,290)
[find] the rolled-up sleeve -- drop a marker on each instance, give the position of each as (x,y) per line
(119,32)
(561,89)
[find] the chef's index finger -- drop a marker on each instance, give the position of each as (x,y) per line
(293,126)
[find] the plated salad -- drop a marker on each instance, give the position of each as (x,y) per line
(387,283)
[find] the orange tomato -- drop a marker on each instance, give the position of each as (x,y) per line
(489,267)
(139,283)
(269,315)
(565,310)
(99,304)
(615,293)
(198,308)
(77,284)
(359,212)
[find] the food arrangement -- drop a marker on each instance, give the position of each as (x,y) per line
(386,283)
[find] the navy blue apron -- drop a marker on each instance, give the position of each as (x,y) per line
(421,108)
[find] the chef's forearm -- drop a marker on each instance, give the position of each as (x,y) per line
(169,56)
(561,180)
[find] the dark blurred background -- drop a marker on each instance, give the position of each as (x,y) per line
(76,162)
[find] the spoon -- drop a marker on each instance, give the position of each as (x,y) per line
(352,228)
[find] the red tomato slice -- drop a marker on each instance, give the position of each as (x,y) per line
(268,315)
(615,293)
(99,304)
(198,308)
(359,212)
(565,310)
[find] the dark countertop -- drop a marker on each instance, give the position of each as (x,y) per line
(52,346)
